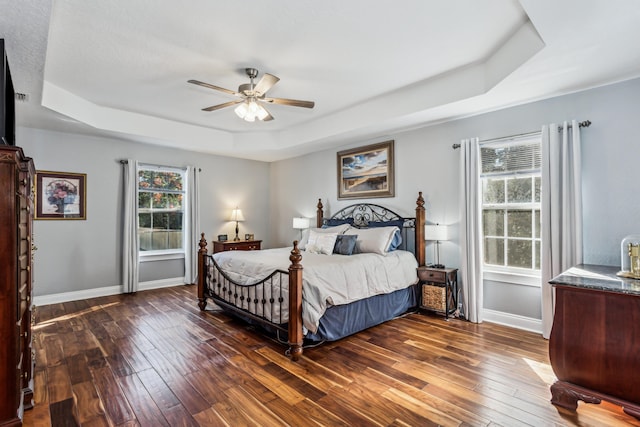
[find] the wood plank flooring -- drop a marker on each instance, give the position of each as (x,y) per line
(153,359)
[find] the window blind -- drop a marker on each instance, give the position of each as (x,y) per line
(511,157)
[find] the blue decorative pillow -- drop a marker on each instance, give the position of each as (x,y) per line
(396,242)
(397,237)
(332,222)
(345,244)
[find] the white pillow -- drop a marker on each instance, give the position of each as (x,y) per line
(373,240)
(338,229)
(321,243)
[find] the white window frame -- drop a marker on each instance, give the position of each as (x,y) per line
(165,254)
(505,274)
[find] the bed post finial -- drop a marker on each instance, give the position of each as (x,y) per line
(295,303)
(319,214)
(202,255)
(203,243)
(420,221)
(295,256)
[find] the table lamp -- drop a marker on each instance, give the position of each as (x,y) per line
(236,215)
(437,233)
(300,223)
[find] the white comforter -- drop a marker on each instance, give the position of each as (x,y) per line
(327,279)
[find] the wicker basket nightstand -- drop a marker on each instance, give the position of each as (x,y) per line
(439,289)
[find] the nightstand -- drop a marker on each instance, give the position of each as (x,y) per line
(438,289)
(240,245)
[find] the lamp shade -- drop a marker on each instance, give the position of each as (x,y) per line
(436,232)
(300,223)
(236,215)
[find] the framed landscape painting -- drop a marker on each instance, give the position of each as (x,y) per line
(366,172)
(60,195)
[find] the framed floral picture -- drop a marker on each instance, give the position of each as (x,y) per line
(366,172)
(60,195)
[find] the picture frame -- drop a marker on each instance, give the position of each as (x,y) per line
(366,172)
(248,237)
(60,195)
(222,238)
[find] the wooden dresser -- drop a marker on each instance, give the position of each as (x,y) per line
(16,217)
(239,245)
(594,347)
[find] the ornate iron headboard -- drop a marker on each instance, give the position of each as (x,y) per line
(363,213)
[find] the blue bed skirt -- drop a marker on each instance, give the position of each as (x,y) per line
(340,321)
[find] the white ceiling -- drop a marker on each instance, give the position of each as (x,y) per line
(372,67)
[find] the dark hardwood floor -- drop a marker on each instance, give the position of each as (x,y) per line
(153,359)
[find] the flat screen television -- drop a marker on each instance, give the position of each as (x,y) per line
(7,100)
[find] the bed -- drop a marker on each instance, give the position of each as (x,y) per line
(359,270)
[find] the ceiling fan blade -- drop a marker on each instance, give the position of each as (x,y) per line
(266,82)
(226,104)
(290,102)
(214,87)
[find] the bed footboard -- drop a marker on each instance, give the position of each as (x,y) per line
(262,302)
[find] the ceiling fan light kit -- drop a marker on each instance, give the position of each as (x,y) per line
(252,96)
(250,110)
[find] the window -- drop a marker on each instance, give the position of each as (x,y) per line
(510,176)
(161,201)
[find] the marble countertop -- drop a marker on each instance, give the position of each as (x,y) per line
(597,277)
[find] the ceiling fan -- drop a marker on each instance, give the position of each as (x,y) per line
(252,96)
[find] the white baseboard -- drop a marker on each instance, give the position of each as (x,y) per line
(103,292)
(164,283)
(513,320)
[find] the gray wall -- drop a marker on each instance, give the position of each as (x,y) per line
(426,162)
(80,255)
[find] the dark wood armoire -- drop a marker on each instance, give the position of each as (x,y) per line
(17,174)
(16,217)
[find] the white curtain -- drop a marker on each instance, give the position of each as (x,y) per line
(130,227)
(470,230)
(561,206)
(192,226)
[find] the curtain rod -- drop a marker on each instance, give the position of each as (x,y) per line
(582,124)
(126,162)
